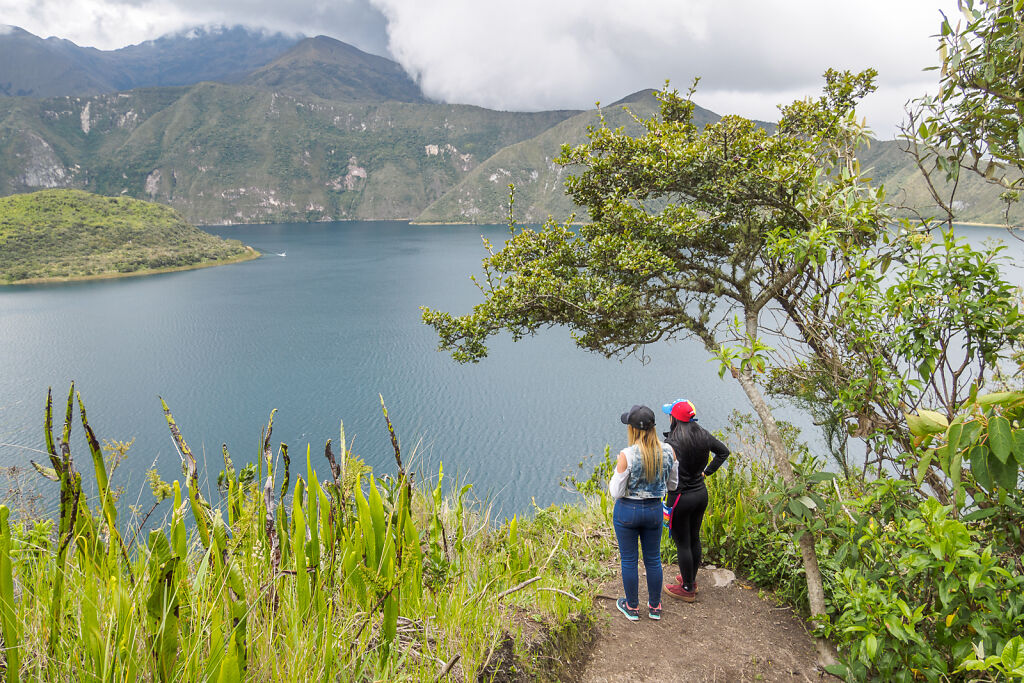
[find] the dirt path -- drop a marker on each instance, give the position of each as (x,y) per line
(728,635)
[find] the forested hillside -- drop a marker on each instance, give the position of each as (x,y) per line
(73,234)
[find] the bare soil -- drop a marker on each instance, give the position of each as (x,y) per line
(729,634)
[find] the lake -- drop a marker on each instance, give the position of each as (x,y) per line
(318,334)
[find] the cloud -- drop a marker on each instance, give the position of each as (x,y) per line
(110,24)
(554,54)
(750,54)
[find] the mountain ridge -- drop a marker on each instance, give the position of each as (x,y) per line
(332,70)
(316,130)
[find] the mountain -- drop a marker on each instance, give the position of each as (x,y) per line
(329,69)
(482,196)
(231,153)
(33,67)
(67,234)
(311,129)
(889,164)
(224,54)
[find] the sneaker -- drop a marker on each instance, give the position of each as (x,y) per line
(654,612)
(679,580)
(676,590)
(632,613)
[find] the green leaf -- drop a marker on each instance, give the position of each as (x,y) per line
(953,436)
(979,467)
(838,670)
(1001,398)
(923,465)
(1004,474)
(871,646)
(1018,445)
(798,508)
(1012,655)
(983,513)
(1000,441)
(926,423)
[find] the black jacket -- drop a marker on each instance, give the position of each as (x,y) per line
(693,446)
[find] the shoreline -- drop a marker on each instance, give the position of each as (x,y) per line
(249,255)
(988,225)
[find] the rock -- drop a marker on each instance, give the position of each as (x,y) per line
(722,578)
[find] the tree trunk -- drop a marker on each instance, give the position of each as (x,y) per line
(812,572)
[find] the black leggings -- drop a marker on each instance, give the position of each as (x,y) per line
(686,520)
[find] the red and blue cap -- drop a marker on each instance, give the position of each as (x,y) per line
(680,409)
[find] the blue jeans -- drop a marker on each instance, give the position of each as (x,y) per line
(639,519)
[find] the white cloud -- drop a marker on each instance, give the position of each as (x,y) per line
(110,24)
(750,54)
(545,54)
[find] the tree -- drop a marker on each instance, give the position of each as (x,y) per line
(684,241)
(976,122)
(912,323)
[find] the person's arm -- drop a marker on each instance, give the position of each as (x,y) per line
(721,452)
(617,484)
(673,472)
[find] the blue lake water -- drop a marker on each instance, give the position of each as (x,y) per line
(318,334)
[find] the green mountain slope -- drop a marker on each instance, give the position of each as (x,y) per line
(330,69)
(51,67)
(73,234)
(482,197)
(977,201)
(222,153)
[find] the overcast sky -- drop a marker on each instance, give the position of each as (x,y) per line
(550,54)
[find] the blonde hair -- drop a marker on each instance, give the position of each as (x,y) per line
(650,450)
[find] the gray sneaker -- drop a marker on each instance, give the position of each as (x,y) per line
(632,613)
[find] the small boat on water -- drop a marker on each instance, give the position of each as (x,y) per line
(283,253)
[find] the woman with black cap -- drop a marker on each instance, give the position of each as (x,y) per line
(645,470)
(689,499)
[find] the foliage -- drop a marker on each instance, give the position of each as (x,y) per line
(976,121)
(922,592)
(341,582)
(682,223)
(220,153)
(916,590)
(68,233)
(912,322)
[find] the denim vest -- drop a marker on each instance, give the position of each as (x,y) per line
(636,486)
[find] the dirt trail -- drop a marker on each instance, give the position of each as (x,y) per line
(729,634)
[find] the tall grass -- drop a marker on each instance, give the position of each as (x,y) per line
(351,577)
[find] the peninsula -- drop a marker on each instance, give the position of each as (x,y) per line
(60,235)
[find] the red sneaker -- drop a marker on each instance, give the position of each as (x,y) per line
(679,580)
(677,591)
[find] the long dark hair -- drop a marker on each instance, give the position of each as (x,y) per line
(690,436)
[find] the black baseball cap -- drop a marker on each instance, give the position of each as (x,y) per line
(640,417)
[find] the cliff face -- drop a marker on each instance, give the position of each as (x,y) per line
(222,153)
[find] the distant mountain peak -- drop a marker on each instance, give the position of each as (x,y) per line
(330,69)
(645,95)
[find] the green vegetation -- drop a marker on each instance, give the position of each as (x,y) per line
(776,251)
(243,154)
(976,122)
(69,234)
(916,590)
(355,577)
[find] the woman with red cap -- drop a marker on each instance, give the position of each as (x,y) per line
(689,500)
